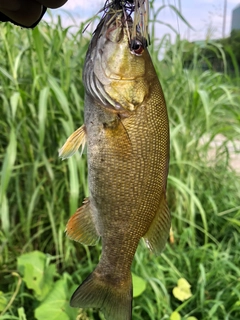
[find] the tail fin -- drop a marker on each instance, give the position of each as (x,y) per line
(114,300)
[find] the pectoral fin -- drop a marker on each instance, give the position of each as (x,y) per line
(73,143)
(81,226)
(157,234)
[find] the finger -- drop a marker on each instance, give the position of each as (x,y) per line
(27,14)
(12,5)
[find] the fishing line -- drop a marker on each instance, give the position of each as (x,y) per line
(128,8)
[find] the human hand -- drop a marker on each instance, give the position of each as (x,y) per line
(26,13)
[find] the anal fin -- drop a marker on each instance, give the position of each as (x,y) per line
(73,143)
(157,235)
(81,227)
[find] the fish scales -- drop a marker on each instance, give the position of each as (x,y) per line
(127,136)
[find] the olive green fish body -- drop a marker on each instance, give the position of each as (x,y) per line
(127,168)
(126,128)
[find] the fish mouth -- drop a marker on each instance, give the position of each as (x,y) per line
(131,13)
(101,76)
(114,32)
(117,28)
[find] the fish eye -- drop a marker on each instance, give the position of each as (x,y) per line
(137,47)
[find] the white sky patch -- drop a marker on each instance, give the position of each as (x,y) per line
(73,4)
(234,2)
(66,19)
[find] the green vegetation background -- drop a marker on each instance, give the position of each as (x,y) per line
(41,104)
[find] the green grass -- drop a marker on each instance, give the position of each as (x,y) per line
(41,98)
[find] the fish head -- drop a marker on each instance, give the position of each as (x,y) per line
(119,65)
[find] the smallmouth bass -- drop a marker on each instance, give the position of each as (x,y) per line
(127,135)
